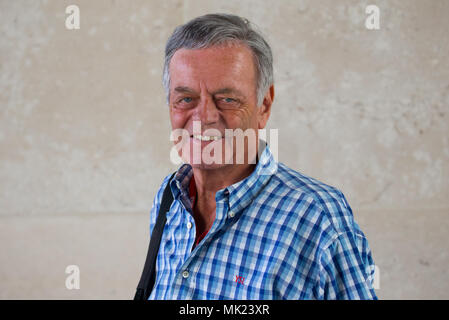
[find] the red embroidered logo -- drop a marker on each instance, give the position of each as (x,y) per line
(239,279)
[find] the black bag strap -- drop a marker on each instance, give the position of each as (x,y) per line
(148,277)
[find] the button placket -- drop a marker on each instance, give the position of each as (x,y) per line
(190,225)
(187,271)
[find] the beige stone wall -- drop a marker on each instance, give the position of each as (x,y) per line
(84,132)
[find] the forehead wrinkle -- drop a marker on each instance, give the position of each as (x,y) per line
(193,65)
(187,62)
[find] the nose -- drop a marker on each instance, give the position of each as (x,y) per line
(207,111)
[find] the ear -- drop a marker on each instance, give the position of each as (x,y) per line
(264,109)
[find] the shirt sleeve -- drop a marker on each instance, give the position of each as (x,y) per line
(347,269)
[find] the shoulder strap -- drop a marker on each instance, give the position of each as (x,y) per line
(148,277)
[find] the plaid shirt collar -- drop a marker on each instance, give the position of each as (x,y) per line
(238,195)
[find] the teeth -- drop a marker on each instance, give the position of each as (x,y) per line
(205,138)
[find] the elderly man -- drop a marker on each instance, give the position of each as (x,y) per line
(251,230)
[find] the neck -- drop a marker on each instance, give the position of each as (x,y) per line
(208,182)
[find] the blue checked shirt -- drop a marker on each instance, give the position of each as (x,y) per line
(278,234)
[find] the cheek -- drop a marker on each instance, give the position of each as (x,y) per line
(178,123)
(245,118)
(178,119)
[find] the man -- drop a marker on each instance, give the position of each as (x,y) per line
(251,230)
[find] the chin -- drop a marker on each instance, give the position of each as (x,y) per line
(197,160)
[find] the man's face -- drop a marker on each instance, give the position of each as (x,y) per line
(216,88)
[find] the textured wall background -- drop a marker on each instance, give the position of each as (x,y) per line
(84,132)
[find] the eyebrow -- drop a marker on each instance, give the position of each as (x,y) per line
(184,90)
(219,91)
(229,90)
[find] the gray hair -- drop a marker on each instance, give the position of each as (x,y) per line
(219,29)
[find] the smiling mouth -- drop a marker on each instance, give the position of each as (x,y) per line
(205,138)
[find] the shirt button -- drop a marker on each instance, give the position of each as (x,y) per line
(232,214)
(189,225)
(185,274)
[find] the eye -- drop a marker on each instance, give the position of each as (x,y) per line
(228,103)
(186,100)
